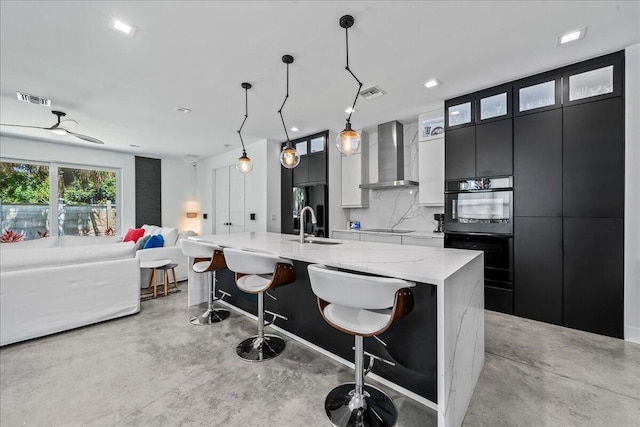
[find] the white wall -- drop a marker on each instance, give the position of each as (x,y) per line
(632,196)
(29,149)
(274,176)
(178,188)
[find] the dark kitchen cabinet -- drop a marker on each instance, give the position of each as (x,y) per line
(301,172)
(286,200)
(317,167)
(593,275)
(537,164)
(460,153)
(537,256)
(593,159)
(494,148)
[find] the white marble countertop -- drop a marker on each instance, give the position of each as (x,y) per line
(418,234)
(420,264)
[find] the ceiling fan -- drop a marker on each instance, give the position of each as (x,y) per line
(59,128)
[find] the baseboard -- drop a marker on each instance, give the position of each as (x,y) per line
(632,334)
(426,402)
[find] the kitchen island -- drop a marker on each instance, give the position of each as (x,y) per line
(438,348)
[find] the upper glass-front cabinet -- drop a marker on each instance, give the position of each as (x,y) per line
(494,104)
(459,114)
(539,95)
(590,84)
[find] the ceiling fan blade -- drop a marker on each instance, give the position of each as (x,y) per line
(85,137)
(24,126)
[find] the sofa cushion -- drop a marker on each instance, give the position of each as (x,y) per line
(69,241)
(150,230)
(45,257)
(133,234)
(156,241)
(141,242)
(170,235)
(48,242)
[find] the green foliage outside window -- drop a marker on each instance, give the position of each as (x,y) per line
(24,183)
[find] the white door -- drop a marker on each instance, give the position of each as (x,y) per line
(236,200)
(229,200)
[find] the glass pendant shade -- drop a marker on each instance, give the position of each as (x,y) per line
(244,164)
(289,157)
(348,141)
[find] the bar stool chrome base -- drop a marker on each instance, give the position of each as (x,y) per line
(256,349)
(374,409)
(210,317)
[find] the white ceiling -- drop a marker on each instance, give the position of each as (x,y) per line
(196,54)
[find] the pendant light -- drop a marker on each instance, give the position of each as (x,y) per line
(244,164)
(289,157)
(348,141)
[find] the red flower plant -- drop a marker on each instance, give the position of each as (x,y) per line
(8,236)
(109,231)
(43,234)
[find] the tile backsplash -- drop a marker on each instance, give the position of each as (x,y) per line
(396,208)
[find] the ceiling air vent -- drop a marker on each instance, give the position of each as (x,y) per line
(371,92)
(33,99)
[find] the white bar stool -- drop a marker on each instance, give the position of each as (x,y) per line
(255,274)
(362,306)
(207,259)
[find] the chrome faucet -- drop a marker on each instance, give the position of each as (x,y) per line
(313,220)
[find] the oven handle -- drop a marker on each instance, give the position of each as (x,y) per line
(476,233)
(489,190)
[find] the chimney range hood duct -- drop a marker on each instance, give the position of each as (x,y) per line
(390,158)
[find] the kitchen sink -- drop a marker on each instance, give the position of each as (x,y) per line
(319,241)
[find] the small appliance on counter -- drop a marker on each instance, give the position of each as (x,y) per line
(440,218)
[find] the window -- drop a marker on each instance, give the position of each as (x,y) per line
(83,201)
(24,199)
(86,202)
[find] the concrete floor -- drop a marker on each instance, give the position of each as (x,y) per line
(156,369)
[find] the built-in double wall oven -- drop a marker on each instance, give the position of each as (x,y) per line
(479,216)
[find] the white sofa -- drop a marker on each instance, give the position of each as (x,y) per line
(46,289)
(172,250)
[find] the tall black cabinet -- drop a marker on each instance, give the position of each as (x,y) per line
(567,129)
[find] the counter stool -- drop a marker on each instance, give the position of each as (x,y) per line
(207,259)
(255,274)
(362,306)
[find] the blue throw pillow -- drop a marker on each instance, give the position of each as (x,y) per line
(155,241)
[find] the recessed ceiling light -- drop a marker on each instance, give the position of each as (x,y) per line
(134,145)
(183,110)
(432,83)
(295,129)
(59,131)
(350,110)
(572,36)
(122,27)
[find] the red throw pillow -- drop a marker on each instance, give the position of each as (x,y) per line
(133,234)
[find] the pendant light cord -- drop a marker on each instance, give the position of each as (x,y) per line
(246,114)
(282,106)
(346,32)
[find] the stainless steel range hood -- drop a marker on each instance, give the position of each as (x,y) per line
(390,158)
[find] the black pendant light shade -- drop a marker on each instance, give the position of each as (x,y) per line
(289,157)
(244,164)
(348,141)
